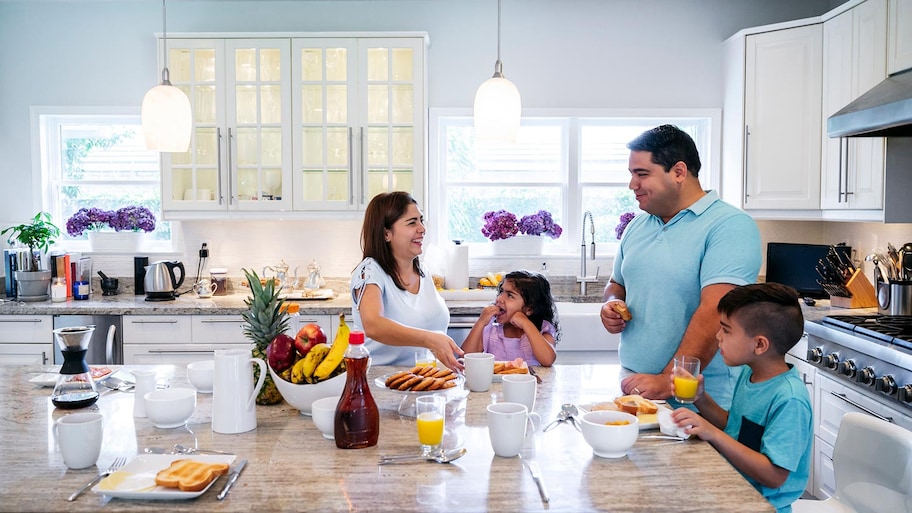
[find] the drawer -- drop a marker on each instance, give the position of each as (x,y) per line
(218,329)
(157,329)
(27,329)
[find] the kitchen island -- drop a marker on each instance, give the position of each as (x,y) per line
(292,468)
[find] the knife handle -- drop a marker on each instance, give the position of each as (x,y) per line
(231,479)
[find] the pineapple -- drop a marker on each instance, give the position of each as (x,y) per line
(265,319)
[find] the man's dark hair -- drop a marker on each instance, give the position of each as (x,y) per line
(768,309)
(668,145)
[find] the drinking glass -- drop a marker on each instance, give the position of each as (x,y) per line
(686,369)
(431,410)
(425,358)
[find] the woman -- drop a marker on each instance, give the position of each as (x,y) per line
(394,298)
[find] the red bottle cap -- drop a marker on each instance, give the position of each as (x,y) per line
(356,337)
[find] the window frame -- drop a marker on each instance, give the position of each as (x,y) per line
(439,118)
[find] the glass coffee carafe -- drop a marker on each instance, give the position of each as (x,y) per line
(75,386)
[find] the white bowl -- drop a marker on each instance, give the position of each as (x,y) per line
(170,407)
(323,413)
(610,441)
(201,375)
(303,395)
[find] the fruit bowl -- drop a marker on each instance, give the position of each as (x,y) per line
(301,396)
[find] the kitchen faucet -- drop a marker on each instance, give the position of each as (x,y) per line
(583,278)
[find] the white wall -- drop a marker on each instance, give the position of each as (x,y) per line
(560,53)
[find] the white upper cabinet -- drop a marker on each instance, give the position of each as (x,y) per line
(771,138)
(358,120)
(854,48)
(899,36)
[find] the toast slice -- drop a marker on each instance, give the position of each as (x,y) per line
(190,475)
(643,405)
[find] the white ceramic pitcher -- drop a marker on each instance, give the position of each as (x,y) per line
(233,391)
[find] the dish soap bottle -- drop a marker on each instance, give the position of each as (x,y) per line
(357,421)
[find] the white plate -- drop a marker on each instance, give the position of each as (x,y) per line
(136,480)
(646,420)
(381,382)
(49,379)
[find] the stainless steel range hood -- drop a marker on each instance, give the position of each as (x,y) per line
(884,111)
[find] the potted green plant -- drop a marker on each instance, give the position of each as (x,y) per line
(38,235)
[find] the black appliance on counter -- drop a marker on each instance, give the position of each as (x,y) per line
(795,265)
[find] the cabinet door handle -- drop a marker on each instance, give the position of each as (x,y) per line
(20,320)
(158,351)
(746,143)
(230,171)
(847,161)
(44,357)
(351,166)
(218,163)
(363,166)
(860,407)
(165,321)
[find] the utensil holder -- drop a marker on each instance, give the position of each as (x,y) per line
(863,295)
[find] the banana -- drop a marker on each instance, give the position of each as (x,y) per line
(297,372)
(313,358)
(336,353)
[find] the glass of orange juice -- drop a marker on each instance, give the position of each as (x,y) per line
(431,410)
(425,358)
(686,369)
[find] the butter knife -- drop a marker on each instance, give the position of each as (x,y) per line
(537,477)
(232,477)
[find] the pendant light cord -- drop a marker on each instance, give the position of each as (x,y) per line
(166,78)
(498,66)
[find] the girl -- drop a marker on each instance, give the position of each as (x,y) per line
(521,323)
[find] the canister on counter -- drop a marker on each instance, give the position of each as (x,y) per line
(219,276)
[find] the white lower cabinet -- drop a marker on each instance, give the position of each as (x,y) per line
(808,375)
(180,339)
(26,339)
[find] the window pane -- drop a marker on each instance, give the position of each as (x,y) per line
(607,204)
(466,206)
(537,156)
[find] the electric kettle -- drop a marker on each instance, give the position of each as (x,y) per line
(160,282)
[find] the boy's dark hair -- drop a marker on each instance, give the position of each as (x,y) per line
(535,290)
(668,145)
(768,309)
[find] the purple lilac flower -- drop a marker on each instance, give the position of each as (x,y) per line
(132,218)
(87,219)
(499,225)
(625,219)
(540,223)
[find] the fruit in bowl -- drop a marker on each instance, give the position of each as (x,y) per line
(610,433)
(302,396)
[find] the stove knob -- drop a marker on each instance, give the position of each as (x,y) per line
(886,384)
(831,361)
(905,394)
(847,368)
(815,355)
(866,376)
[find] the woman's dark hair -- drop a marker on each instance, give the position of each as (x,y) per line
(536,293)
(668,145)
(382,212)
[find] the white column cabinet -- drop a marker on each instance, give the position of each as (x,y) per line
(771,138)
(854,48)
(899,36)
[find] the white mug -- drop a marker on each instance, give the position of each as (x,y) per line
(507,428)
(79,438)
(145,383)
(233,391)
(479,371)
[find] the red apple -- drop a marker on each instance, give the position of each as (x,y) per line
(307,337)
(281,352)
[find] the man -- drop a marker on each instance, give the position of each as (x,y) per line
(674,264)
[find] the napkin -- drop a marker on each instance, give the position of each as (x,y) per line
(668,427)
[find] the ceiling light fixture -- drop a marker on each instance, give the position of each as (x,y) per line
(166,119)
(498,106)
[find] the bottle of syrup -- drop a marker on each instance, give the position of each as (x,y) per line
(357,422)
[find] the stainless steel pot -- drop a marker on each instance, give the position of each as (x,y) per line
(897,300)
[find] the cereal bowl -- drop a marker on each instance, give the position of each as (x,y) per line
(201,375)
(302,396)
(170,407)
(323,413)
(608,435)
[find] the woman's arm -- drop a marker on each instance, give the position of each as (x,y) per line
(474,341)
(393,333)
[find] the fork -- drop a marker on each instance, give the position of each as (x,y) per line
(119,462)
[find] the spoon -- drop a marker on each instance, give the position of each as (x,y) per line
(180,449)
(439,457)
(562,415)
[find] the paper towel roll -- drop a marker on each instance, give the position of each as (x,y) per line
(457,273)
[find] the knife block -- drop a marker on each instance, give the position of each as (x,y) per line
(863,295)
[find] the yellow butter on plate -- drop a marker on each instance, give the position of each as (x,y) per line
(127,481)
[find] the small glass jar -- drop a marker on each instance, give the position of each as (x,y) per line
(59,290)
(219,276)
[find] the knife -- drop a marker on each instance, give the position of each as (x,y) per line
(233,475)
(537,477)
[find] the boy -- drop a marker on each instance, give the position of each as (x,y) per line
(768,431)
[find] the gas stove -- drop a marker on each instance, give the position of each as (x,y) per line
(872,353)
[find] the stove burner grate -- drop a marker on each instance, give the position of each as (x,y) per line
(892,329)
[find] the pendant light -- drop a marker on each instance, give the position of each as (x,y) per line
(498,106)
(166,119)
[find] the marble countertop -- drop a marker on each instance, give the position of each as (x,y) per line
(292,468)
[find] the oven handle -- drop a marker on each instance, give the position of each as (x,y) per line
(458,325)
(862,408)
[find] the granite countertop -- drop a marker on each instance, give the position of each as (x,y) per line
(292,468)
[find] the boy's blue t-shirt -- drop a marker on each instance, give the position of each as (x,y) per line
(774,418)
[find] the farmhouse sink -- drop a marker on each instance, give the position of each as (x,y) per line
(582,330)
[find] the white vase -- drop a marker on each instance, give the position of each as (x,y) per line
(518,245)
(115,242)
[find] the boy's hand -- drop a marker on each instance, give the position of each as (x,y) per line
(699,386)
(698,426)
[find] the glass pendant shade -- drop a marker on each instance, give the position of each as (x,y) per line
(166,119)
(497,111)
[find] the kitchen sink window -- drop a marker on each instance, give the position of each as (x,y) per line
(98,160)
(565,164)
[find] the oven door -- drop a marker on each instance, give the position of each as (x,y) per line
(460,326)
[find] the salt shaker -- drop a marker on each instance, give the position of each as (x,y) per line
(145,382)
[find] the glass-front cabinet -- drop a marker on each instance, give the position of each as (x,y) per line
(296,124)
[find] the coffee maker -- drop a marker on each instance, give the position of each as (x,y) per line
(75,386)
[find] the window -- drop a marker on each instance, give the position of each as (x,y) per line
(566,164)
(98,160)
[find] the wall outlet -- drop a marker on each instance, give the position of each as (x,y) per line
(204,250)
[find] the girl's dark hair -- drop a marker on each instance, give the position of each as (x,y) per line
(536,293)
(382,212)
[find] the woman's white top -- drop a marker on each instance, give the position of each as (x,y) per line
(425,310)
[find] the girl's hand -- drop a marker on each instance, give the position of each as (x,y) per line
(519,320)
(488,313)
